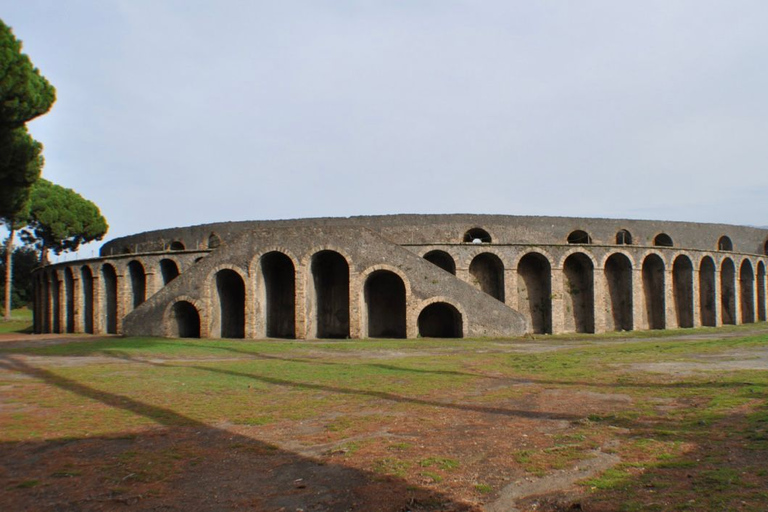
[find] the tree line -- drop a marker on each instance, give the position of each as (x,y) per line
(47,217)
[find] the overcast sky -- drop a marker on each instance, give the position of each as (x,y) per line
(173,113)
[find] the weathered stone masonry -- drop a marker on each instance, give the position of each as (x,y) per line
(406,276)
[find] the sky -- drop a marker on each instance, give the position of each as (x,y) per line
(182,112)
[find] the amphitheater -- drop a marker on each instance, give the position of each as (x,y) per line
(410,276)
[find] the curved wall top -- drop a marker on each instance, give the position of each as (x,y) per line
(412,229)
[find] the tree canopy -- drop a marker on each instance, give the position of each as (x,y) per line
(60,219)
(21,161)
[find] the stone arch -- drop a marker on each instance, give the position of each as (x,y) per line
(579,300)
(330,280)
(86,278)
(385,305)
(176,245)
(69,292)
(724,243)
(534,289)
(761,316)
(728,291)
(477,235)
(747,292)
(653,291)
(109,279)
(487,273)
(439,319)
(707,292)
(214,241)
(230,299)
(623,237)
(169,270)
(682,290)
(618,283)
(663,240)
(138,279)
(279,275)
(442,259)
(183,319)
(579,237)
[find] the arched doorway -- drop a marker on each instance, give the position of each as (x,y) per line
(169,270)
(682,289)
(109,276)
(707,296)
(86,277)
(442,259)
(487,273)
(138,283)
(440,320)
(55,288)
(761,292)
(653,291)
(728,292)
(280,284)
(185,320)
(69,287)
(618,281)
(230,290)
(579,300)
(385,304)
(330,276)
(747,292)
(534,286)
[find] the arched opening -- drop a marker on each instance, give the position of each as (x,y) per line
(442,259)
(682,289)
(69,286)
(177,246)
(330,274)
(280,286)
(579,237)
(618,281)
(579,300)
(653,291)
(724,244)
(46,286)
(109,276)
(55,301)
(534,285)
(87,282)
(761,317)
(231,294)
(747,292)
(728,292)
(623,237)
(663,240)
(138,283)
(707,296)
(385,303)
(477,236)
(214,241)
(487,273)
(185,320)
(440,320)
(169,270)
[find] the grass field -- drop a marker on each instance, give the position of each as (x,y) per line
(21,321)
(677,421)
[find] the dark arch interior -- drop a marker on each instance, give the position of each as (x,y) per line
(682,290)
(177,246)
(623,237)
(618,278)
(747,289)
(185,320)
(578,271)
(488,272)
(385,300)
(728,292)
(724,244)
(55,301)
(535,291)
(761,316)
(110,291)
(707,306)
(663,240)
(440,320)
(87,279)
(477,236)
(214,241)
(579,237)
(280,283)
(330,273)
(69,285)
(231,290)
(138,283)
(443,260)
(169,270)
(653,291)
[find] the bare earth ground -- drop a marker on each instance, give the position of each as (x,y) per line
(482,438)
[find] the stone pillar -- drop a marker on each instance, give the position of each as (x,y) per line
(510,288)
(355,307)
(78,307)
(557,303)
(99,305)
(718,298)
(696,290)
(670,307)
(639,316)
(153,284)
(599,298)
(61,304)
(300,305)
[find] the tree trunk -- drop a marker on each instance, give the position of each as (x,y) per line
(8,273)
